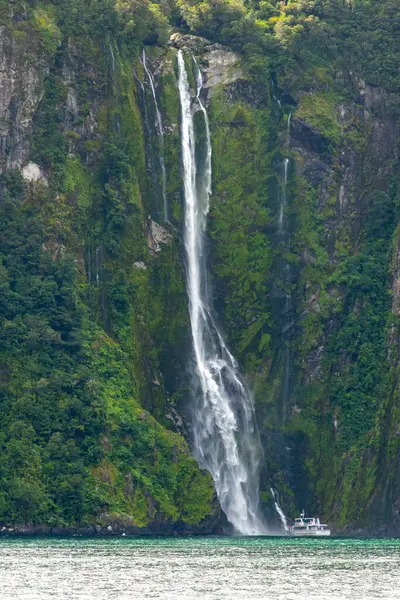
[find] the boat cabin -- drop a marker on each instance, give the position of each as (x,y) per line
(308,524)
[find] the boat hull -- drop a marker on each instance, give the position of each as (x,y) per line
(318,533)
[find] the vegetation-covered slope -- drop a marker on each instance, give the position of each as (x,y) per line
(87,311)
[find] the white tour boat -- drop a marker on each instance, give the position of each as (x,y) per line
(308,527)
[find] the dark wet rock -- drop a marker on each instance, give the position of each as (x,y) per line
(309,138)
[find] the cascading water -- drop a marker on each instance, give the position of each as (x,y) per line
(286,304)
(289,122)
(285,163)
(160,132)
(225,438)
(280,512)
(207,166)
(283,195)
(279,103)
(112,58)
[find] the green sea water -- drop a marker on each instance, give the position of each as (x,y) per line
(199,568)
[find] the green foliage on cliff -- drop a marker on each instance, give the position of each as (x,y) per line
(75,442)
(85,333)
(242,255)
(318,110)
(93,325)
(347,313)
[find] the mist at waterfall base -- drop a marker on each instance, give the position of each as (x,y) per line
(225,438)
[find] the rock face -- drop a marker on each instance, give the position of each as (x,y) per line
(157,235)
(219,65)
(396,278)
(73,103)
(309,138)
(22,72)
(346,174)
(222,67)
(33,173)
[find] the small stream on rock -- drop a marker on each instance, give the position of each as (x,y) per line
(160,133)
(286,308)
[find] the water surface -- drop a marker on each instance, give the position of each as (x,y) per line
(193,568)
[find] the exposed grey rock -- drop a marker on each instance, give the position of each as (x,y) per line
(195,43)
(140,265)
(156,235)
(33,173)
(223,67)
(309,138)
(72,102)
(218,65)
(21,89)
(374,97)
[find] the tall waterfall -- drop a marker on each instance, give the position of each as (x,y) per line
(160,132)
(225,436)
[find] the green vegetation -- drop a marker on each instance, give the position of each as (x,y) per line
(94,333)
(86,334)
(241,251)
(318,110)
(75,442)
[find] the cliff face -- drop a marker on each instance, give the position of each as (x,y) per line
(346,206)
(93,307)
(304,266)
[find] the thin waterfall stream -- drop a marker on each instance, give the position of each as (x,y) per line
(160,132)
(287,305)
(280,512)
(225,437)
(283,195)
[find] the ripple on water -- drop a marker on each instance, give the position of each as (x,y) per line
(199,568)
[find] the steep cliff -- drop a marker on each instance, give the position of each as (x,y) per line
(93,304)
(303,253)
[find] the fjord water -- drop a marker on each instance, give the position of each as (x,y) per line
(199,568)
(225,439)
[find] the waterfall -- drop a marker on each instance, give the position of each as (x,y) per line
(112,58)
(285,178)
(147,128)
(279,103)
(225,437)
(280,512)
(160,132)
(98,266)
(207,166)
(283,195)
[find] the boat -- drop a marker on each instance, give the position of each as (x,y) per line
(308,527)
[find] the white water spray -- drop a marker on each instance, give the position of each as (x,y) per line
(283,195)
(112,58)
(280,512)
(160,131)
(225,437)
(207,166)
(279,103)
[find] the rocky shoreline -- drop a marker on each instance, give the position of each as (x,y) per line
(97,530)
(156,529)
